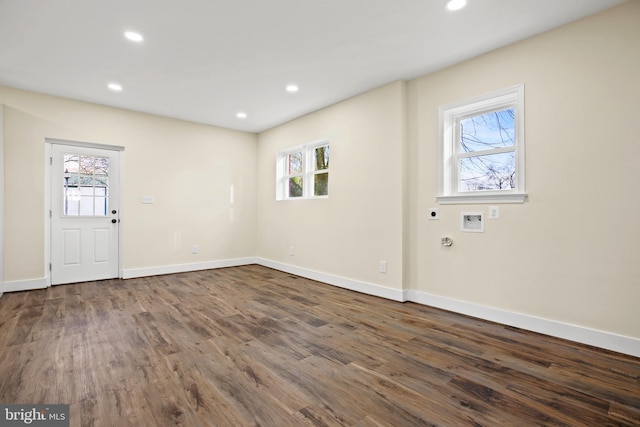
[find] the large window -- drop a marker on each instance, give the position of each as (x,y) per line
(482,149)
(303,172)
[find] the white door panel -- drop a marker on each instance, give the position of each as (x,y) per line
(71,246)
(84,214)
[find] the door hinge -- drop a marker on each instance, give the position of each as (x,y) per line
(50,160)
(50,267)
(50,214)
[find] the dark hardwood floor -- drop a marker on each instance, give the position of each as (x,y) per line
(249,346)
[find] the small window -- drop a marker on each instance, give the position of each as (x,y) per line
(303,172)
(482,149)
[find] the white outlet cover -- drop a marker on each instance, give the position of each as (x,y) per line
(383,266)
(494,212)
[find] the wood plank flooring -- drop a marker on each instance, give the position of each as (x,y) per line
(251,346)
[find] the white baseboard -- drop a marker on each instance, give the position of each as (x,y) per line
(580,334)
(342,282)
(24,285)
(184,268)
(596,338)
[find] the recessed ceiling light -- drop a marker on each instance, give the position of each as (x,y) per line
(456,4)
(116,87)
(292,88)
(241,115)
(133,36)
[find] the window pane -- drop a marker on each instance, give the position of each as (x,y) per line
(86,165)
(491,172)
(72,206)
(71,163)
(321,155)
(86,206)
(487,131)
(294,163)
(101,206)
(102,166)
(86,190)
(321,184)
(101,181)
(295,186)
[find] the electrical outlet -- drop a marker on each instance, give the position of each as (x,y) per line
(383,266)
(494,212)
(194,249)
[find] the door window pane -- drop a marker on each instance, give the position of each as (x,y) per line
(86,206)
(101,166)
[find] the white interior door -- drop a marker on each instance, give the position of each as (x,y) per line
(84,214)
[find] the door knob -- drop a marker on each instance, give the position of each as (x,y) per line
(113,221)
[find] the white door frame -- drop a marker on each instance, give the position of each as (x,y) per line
(48,186)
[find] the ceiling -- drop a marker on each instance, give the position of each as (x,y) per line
(207,60)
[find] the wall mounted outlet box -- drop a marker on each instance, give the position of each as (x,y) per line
(434,213)
(473,222)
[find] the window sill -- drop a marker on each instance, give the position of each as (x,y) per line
(287,199)
(482,198)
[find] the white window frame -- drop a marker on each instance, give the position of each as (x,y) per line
(449,117)
(308,171)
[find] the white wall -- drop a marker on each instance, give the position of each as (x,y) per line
(361,222)
(570,253)
(562,263)
(188,168)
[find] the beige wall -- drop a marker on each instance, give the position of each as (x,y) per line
(570,253)
(361,222)
(188,168)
